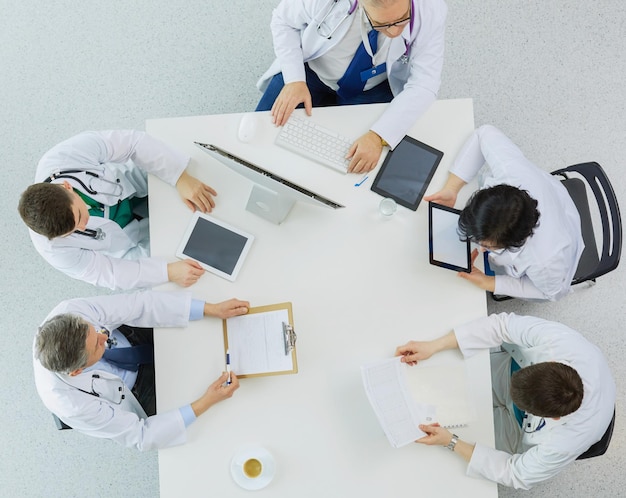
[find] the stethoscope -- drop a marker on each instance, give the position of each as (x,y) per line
(404,58)
(111,341)
(528,426)
(88,188)
(330,9)
(98,233)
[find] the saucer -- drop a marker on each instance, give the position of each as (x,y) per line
(263,456)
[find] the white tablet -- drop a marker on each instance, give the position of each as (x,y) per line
(219,247)
(446,247)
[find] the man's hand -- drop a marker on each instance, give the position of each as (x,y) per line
(227,309)
(365,153)
(414,351)
(292,95)
(218,391)
(435,435)
(447,195)
(195,193)
(477,277)
(185,272)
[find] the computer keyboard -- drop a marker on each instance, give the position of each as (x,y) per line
(310,140)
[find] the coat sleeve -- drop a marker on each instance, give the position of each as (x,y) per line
(541,282)
(289,19)
(141,309)
(148,153)
(97,268)
(520,471)
(493,330)
(104,420)
(488,144)
(90,149)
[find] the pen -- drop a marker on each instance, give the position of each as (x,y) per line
(228,367)
(362,180)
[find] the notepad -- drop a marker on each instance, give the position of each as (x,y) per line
(259,343)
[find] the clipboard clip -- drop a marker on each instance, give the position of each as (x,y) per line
(289,337)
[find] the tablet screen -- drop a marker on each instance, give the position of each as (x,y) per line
(407,171)
(217,246)
(446,247)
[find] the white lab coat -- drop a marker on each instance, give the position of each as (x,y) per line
(107,416)
(414,85)
(120,260)
(544,453)
(544,267)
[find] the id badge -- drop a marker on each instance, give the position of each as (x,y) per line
(375,71)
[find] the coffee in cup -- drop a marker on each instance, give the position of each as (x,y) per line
(252,468)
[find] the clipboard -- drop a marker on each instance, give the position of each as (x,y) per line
(262,342)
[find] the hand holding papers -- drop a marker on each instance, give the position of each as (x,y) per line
(404,397)
(262,342)
(398,414)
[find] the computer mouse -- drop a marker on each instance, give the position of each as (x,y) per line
(247,128)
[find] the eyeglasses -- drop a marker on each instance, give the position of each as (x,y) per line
(385,27)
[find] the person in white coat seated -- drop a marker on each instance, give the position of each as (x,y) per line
(99,396)
(341,52)
(558,402)
(522,215)
(82,212)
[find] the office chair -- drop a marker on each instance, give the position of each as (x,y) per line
(577,179)
(59,423)
(601,446)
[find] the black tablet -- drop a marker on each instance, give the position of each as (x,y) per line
(219,247)
(407,171)
(446,249)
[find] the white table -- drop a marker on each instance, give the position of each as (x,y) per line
(360,286)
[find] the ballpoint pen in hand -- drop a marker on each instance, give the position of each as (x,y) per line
(228,367)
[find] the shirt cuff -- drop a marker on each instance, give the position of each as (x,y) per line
(188,415)
(196,310)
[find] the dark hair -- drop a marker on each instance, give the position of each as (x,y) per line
(502,215)
(60,343)
(549,389)
(46,208)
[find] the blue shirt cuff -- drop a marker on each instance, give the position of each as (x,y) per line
(188,415)
(196,310)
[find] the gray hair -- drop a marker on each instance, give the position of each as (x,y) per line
(60,343)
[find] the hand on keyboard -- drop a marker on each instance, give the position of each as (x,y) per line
(308,139)
(365,153)
(292,95)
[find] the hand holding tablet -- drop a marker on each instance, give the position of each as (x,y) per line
(446,249)
(217,246)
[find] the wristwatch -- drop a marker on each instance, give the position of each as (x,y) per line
(453,441)
(383,142)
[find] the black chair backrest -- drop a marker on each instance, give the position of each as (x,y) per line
(589,260)
(601,446)
(609,212)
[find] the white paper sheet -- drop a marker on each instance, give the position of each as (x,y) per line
(443,383)
(256,343)
(397,412)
